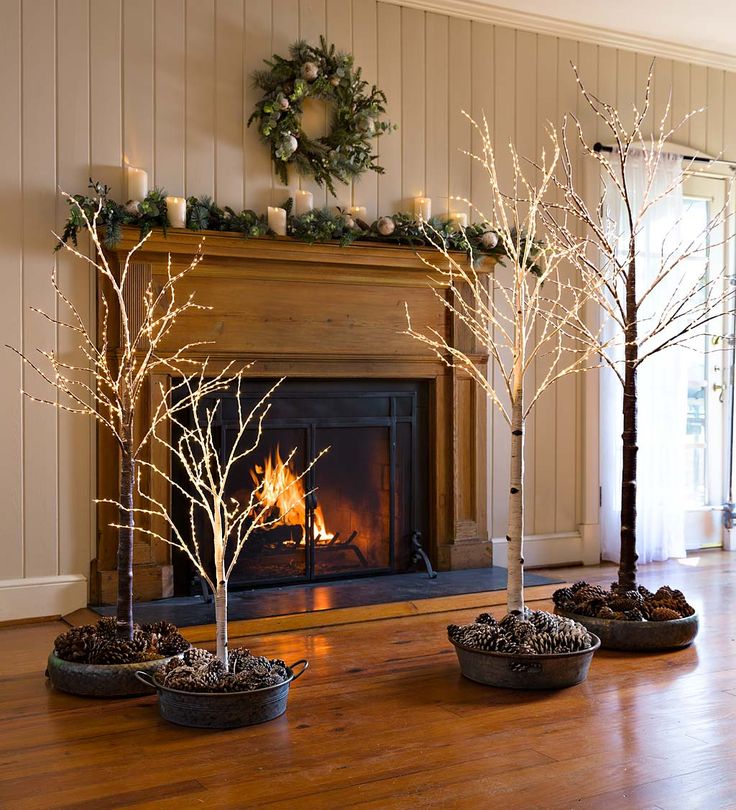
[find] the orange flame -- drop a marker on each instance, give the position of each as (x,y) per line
(279,489)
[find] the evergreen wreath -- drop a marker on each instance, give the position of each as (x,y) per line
(319,73)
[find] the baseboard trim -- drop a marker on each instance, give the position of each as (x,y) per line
(562,548)
(34,597)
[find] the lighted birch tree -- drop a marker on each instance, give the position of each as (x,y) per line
(214,516)
(523,313)
(109,379)
(671,307)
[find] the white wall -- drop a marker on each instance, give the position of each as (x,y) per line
(165,85)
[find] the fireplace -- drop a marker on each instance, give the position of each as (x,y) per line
(357,510)
(407,430)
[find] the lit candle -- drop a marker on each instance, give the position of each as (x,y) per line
(459,219)
(137,184)
(176,211)
(359,212)
(277,220)
(423,208)
(303,202)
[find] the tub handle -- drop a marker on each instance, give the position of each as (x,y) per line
(305,665)
(145,678)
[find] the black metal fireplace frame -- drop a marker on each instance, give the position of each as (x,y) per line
(393,391)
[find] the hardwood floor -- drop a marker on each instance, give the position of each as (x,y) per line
(383,719)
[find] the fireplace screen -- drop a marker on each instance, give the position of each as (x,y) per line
(355,511)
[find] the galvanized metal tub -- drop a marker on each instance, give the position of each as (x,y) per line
(101,680)
(616,634)
(224,709)
(512,671)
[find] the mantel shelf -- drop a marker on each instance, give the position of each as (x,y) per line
(279,249)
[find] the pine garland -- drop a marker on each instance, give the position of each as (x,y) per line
(319,225)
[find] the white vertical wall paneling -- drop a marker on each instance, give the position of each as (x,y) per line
(72,149)
(339,15)
(413,106)
(626,90)
(681,105)
(389,80)
(699,101)
(229,112)
(481,111)
(662,92)
(503,133)
(607,85)
(482,86)
(566,389)
(284,32)
(545,417)
(365,51)
(11,301)
(437,118)
(459,103)
(170,98)
(138,96)
(106,99)
(714,113)
(39,199)
(257,159)
(525,140)
(200,98)
(312,23)
(729,116)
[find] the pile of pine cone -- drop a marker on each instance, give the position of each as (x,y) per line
(634,606)
(200,671)
(100,644)
(533,633)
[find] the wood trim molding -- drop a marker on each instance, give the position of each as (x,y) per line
(41,596)
(562,548)
(567,29)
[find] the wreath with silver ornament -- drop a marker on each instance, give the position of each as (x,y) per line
(322,73)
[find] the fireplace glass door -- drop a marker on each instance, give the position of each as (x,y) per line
(353,513)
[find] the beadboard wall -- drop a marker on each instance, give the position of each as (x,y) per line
(163,84)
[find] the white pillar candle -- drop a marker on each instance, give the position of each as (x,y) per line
(358,212)
(137,184)
(459,219)
(176,211)
(277,220)
(303,202)
(423,208)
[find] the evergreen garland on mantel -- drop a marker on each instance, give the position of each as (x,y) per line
(319,225)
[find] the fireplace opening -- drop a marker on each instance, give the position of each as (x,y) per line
(354,514)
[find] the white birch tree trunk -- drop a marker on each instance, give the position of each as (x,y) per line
(515,536)
(220,592)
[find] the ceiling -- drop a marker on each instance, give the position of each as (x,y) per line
(679,29)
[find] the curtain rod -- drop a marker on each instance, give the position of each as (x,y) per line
(600,147)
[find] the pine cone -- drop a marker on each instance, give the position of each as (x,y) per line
(160,628)
(605,613)
(563,597)
(623,604)
(172,644)
(485,618)
(663,614)
(645,592)
(589,592)
(75,644)
(634,615)
(107,627)
(196,657)
(181,677)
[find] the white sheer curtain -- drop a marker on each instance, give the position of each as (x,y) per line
(662,390)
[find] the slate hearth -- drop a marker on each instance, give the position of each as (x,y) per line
(262,602)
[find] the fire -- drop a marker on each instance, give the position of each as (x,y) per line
(281,490)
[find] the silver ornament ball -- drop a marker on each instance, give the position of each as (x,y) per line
(489,240)
(386,226)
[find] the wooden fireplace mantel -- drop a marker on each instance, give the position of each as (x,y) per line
(323,311)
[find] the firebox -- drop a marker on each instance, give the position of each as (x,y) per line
(357,510)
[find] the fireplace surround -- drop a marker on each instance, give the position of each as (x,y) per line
(331,320)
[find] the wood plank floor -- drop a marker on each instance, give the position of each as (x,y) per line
(383,720)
